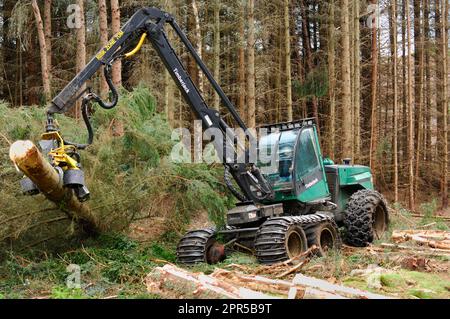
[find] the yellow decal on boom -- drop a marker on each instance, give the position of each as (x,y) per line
(110,44)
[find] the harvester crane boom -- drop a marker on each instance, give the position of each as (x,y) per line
(149,23)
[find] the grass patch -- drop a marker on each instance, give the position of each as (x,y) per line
(112,265)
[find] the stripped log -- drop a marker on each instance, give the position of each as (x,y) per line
(29,160)
(274,286)
(433,238)
(173,282)
(324,285)
(418,250)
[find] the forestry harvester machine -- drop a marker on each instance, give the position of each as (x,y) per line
(283,209)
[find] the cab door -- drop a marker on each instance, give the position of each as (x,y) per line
(309,177)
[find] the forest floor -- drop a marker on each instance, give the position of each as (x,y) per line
(114,266)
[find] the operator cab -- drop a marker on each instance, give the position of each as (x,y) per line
(290,159)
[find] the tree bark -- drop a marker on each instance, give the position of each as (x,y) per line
(251,103)
(442,96)
(115,24)
(357,82)
(287,59)
(48,34)
(346,84)
(404,139)
(241,57)
(198,41)
(410,112)
(309,57)
(374,87)
(216,103)
(427,95)
(43,51)
(31,162)
(418,88)
(169,86)
(395,97)
(332,80)
(81,51)
(103,26)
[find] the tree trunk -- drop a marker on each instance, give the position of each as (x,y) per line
(442,96)
(279,66)
(48,35)
(287,59)
(169,85)
(346,85)
(216,103)
(418,88)
(241,57)
(410,112)
(43,51)
(332,80)
(427,95)
(81,51)
(103,26)
(395,97)
(309,57)
(31,162)
(198,41)
(357,82)
(115,24)
(251,103)
(404,138)
(374,87)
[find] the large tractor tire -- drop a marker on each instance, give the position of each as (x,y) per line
(200,246)
(324,236)
(366,218)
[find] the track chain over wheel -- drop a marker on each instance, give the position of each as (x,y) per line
(281,238)
(200,246)
(325,235)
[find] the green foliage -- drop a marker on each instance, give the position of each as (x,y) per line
(163,253)
(429,208)
(61,292)
(112,264)
(392,280)
(128,172)
(315,85)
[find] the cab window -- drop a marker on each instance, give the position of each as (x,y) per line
(307,157)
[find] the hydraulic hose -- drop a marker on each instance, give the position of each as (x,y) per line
(115,95)
(106,105)
(233,190)
(85,115)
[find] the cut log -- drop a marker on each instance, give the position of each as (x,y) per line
(432,238)
(173,282)
(274,286)
(418,250)
(29,160)
(446,218)
(325,286)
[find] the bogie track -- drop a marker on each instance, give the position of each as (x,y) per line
(197,247)
(281,238)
